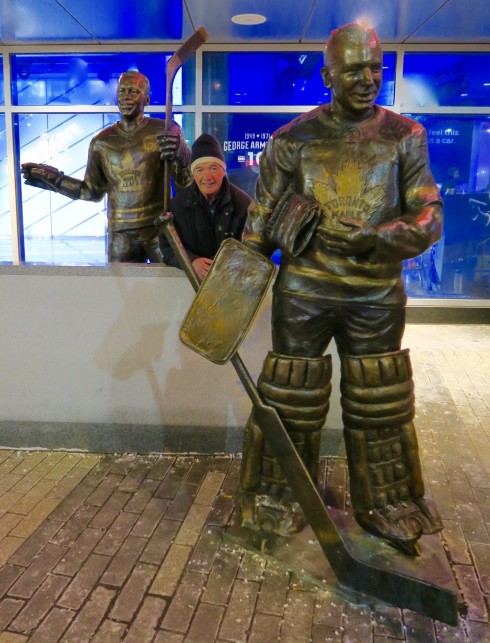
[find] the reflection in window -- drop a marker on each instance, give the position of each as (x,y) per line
(278,78)
(91,79)
(454,79)
(459,264)
(57,229)
(5,226)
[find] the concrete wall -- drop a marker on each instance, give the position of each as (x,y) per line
(92,360)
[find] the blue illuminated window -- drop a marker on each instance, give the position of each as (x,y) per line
(459,264)
(278,78)
(243,137)
(91,79)
(452,79)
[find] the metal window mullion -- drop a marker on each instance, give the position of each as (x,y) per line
(12,170)
(198,97)
(400,54)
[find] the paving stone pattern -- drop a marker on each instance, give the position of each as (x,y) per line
(129,548)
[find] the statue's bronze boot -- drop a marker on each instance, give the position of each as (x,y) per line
(386,484)
(299,389)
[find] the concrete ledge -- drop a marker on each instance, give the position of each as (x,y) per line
(91,360)
(447,315)
(108,270)
(132,438)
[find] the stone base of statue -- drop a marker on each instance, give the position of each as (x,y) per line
(424,584)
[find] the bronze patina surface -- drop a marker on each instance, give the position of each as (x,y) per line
(367,168)
(375,203)
(354,569)
(126,162)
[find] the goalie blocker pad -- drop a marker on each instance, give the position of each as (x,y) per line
(227,302)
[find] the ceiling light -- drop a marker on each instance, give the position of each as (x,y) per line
(248,19)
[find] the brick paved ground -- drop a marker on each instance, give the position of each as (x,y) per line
(129,547)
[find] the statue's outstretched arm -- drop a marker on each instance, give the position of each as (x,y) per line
(48,177)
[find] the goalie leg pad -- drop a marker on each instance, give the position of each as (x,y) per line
(299,390)
(386,483)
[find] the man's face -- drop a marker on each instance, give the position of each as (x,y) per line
(132,96)
(208,177)
(354,74)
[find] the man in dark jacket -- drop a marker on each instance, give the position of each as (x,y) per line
(207,212)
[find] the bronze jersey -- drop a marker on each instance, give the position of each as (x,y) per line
(127,166)
(375,171)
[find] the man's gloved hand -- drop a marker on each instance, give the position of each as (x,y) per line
(357,238)
(42,176)
(172,148)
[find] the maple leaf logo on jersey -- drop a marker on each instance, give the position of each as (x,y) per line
(347,196)
(128,177)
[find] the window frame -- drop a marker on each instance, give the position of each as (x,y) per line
(400,106)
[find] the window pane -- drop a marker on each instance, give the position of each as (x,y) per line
(459,264)
(278,78)
(91,79)
(57,229)
(5,228)
(454,79)
(187,123)
(243,137)
(387,93)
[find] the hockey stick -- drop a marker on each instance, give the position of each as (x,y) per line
(183,53)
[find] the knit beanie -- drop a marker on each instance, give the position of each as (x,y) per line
(207,149)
